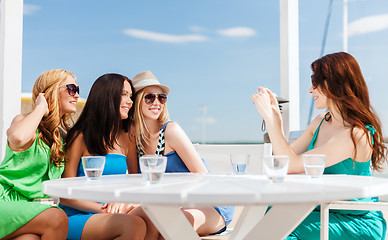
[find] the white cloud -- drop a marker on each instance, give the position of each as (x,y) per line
(197,29)
(237,32)
(368,25)
(30,9)
(162,37)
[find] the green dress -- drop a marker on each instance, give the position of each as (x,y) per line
(21,177)
(344,224)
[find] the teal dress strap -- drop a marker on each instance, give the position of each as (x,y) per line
(312,143)
(372,131)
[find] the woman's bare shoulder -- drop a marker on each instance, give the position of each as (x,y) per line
(172,128)
(78,140)
(174,133)
(360,135)
(315,122)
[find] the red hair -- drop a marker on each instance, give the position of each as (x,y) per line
(339,78)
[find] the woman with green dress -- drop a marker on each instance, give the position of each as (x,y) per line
(349,134)
(34,153)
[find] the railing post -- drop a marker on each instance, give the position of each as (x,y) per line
(289,63)
(10,65)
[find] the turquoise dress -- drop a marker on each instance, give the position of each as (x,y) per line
(21,177)
(344,224)
(114,164)
(176,164)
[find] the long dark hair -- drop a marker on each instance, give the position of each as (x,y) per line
(339,78)
(100,121)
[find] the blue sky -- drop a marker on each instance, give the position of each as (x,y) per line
(211,53)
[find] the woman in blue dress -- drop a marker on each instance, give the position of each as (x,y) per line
(154,133)
(349,134)
(102,129)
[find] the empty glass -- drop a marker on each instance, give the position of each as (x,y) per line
(152,168)
(239,163)
(93,166)
(314,164)
(276,167)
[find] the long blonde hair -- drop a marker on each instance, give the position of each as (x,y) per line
(49,131)
(140,125)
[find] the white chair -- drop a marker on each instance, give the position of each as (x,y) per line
(382,205)
(346,205)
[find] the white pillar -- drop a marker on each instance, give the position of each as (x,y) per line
(345,26)
(289,63)
(10,65)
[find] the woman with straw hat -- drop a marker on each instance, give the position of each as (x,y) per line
(154,133)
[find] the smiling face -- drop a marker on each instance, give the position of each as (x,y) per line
(154,109)
(126,101)
(320,100)
(67,102)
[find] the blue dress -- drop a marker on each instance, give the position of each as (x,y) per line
(175,164)
(344,224)
(114,164)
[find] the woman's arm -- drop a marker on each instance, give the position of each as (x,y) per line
(74,152)
(177,140)
(267,105)
(132,161)
(21,133)
(338,148)
(301,145)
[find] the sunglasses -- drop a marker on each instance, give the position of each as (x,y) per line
(150,98)
(72,89)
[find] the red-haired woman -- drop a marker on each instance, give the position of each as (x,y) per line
(349,134)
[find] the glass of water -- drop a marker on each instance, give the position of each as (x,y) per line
(93,166)
(314,164)
(239,163)
(152,168)
(276,167)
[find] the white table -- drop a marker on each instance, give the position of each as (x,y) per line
(291,200)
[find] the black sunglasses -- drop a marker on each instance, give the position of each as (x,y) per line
(150,98)
(72,89)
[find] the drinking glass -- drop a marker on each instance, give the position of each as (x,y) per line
(314,164)
(276,167)
(93,166)
(239,163)
(152,168)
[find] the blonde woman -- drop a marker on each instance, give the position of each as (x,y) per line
(34,154)
(156,134)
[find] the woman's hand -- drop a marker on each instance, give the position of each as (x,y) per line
(266,103)
(42,103)
(123,208)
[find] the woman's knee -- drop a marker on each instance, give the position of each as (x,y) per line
(56,219)
(139,227)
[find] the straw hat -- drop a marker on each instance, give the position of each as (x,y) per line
(145,79)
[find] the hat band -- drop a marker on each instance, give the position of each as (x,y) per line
(147,82)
